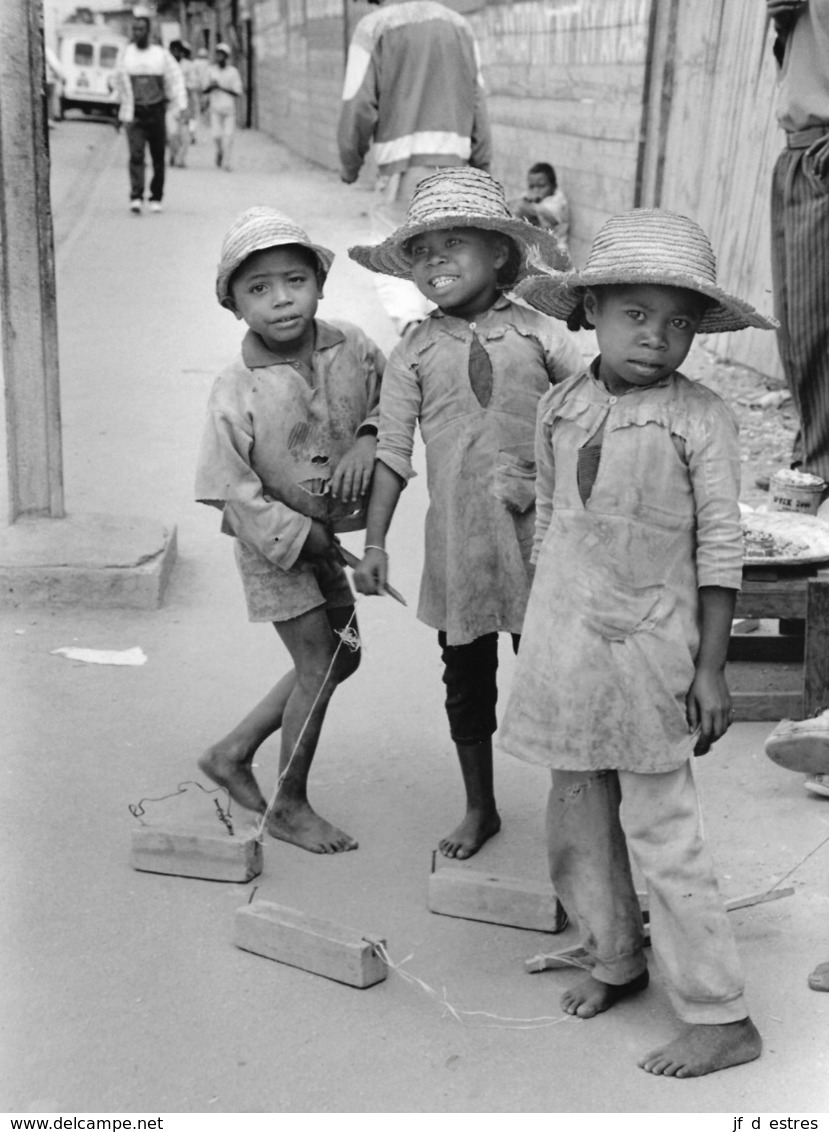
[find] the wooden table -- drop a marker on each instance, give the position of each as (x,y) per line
(798,594)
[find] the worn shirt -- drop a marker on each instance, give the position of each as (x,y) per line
(611,635)
(275,432)
(803,100)
(413,87)
(479,461)
(147,77)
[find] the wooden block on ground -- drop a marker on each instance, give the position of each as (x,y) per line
(191,853)
(471,895)
(309,942)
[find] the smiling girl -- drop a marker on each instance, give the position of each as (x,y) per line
(471,376)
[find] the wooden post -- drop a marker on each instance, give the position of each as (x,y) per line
(27,272)
(816,663)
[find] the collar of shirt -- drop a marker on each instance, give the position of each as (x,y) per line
(461,328)
(256,355)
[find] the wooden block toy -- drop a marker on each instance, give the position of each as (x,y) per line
(517,903)
(309,942)
(191,853)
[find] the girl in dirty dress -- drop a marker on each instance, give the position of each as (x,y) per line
(620,676)
(471,376)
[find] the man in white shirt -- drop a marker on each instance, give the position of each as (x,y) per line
(149,80)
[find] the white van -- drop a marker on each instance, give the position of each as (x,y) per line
(89,54)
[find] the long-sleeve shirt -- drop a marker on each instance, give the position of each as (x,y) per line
(413,86)
(149,76)
(275,433)
(479,460)
(612,629)
(225,86)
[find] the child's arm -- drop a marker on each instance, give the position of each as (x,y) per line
(709,700)
(371,575)
(352,476)
(545,480)
(712,452)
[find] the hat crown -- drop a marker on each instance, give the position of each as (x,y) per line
(258,223)
(456,192)
(256,229)
(652,241)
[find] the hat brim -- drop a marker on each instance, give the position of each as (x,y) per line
(540,251)
(559,293)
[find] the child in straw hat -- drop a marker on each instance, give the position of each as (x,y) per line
(620,678)
(471,375)
(287,455)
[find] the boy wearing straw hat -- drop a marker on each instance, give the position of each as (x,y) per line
(471,376)
(620,679)
(287,455)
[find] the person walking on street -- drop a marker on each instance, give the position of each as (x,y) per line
(413,88)
(800,221)
(224,87)
(149,80)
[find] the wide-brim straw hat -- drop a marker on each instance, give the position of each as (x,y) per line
(460,197)
(649,246)
(255,230)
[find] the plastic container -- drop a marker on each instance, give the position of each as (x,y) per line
(791,490)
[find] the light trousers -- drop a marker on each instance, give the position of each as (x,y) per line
(593,819)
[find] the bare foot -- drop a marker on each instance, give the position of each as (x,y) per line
(302,826)
(591,997)
(235,776)
(476,828)
(705,1049)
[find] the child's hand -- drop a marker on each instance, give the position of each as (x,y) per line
(352,475)
(371,575)
(318,542)
(708,705)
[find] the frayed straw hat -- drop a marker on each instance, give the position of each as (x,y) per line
(460,197)
(646,245)
(254,230)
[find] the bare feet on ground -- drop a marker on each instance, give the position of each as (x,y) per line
(302,826)
(235,776)
(591,997)
(476,828)
(705,1049)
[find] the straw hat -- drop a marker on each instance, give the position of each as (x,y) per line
(223,47)
(254,230)
(459,197)
(647,245)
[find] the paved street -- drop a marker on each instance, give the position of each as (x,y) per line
(123,990)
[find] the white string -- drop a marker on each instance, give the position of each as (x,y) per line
(497,1021)
(351,639)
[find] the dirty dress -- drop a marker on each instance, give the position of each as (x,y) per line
(479,460)
(275,432)
(611,631)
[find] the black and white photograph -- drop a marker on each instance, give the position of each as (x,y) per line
(494,334)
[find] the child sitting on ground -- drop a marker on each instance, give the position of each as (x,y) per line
(544,204)
(620,678)
(287,454)
(471,375)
